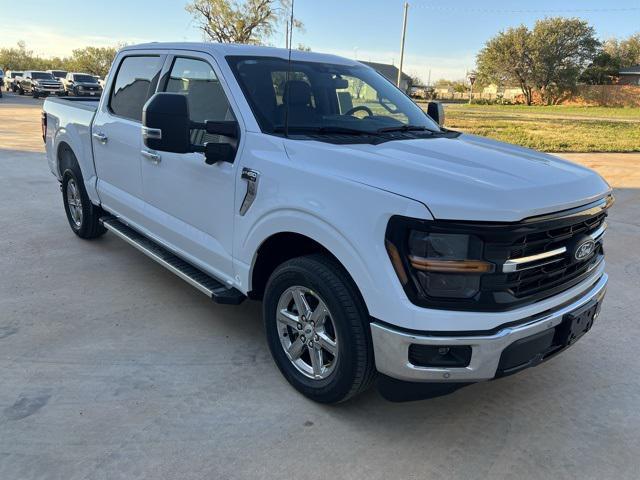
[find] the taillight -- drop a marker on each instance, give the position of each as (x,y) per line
(44,126)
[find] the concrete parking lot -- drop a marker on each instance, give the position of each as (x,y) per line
(113,368)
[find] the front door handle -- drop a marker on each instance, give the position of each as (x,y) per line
(101,137)
(151,156)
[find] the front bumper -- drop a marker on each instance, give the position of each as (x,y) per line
(88,93)
(45,92)
(391,347)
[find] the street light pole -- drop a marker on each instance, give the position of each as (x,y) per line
(404,31)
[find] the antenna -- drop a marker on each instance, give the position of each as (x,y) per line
(286,83)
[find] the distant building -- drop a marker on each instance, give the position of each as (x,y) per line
(494,91)
(391,73)
(630,76)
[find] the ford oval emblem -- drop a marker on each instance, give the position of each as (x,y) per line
(584,249)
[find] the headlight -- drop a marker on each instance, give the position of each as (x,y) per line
(447,265)
(436,265)
(80,87)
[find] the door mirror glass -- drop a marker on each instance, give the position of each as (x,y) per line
(226,128)
(436,111)
(165,120)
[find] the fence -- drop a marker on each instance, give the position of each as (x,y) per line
(596,95)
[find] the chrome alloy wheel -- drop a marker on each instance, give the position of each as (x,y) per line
(307,332)
(75,202)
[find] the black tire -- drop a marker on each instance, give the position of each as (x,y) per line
(89,225)
(21,91)
(35,94)
(354,370)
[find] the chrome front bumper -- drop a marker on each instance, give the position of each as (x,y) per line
(391,347)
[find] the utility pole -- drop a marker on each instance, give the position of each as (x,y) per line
(404,31)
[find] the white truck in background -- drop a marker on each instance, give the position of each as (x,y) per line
(382,244)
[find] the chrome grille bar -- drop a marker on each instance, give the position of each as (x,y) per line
(537,260)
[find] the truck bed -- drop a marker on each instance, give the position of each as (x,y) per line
(90,103)
(69,122)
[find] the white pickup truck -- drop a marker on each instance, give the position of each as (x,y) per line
(381,244)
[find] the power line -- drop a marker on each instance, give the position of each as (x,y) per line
(550,11)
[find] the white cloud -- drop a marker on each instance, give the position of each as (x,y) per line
(450,67)
(48,42)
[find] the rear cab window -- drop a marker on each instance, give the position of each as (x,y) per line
(135,82)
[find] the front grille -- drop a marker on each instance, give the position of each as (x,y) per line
(505,289)
(562,273)
(552,238)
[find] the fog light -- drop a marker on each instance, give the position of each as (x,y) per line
(457,356)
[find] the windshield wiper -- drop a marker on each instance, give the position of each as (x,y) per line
(405,128)
(326,129)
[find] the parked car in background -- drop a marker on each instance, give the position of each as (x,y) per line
(58,74)
(1,81)
(100,80)
(39,84)
(11,79)
(82,85)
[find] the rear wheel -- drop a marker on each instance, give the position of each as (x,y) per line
(318,329)
(83,216)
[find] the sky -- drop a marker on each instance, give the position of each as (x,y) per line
(442,37)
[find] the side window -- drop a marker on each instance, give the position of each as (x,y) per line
(135,82)
(207,101)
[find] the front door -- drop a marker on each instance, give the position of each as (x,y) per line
(117,136)
(190,204)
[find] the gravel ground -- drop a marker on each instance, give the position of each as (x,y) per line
(113,368)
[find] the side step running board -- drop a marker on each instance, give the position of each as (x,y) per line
(218,291)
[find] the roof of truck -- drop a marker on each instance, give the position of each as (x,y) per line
(224,49)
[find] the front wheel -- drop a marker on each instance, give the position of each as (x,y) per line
(318,329)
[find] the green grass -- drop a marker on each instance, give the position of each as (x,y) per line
(555,110)
(551,129)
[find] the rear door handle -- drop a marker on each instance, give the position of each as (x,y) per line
(151,156)
(101,137)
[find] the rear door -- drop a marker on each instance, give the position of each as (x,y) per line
(191,204)
(117,137)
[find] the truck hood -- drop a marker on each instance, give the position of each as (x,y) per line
(462,178)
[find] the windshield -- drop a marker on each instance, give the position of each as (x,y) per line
(85,79)
(41,76)
(59,73)
(15,74)
(323,97)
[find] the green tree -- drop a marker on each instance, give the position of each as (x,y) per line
(626,51)
(17,58)
(549,58)
(602,71)
(561,50)
(94,60)
(507,59)
(249,21)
